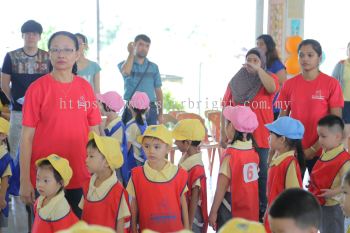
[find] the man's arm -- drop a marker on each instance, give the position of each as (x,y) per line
(5,85)
(127,66)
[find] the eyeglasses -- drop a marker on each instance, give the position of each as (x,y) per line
(65,51)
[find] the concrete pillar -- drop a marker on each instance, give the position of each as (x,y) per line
(259,21)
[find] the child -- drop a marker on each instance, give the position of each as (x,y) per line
(295,211)
(284,171)
(5,172)
(240,225)
(158,188)
(138,105)
(239,170)
(325,178)
(345,201)
(51,209)
(103,193)
(188,134)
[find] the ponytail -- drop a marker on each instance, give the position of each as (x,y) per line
(139,115)
(297,146)
(240,137)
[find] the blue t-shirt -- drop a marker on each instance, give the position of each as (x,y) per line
(151,79)
(89,72)
(276,66)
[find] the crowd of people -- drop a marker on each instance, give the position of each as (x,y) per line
(84,159)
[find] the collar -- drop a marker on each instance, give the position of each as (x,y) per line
(277,159)
(98,193)
(3,150)
(144,63)
(187,162)
(113,123)
(329,155)
(242,145)
(55,209)
(167,173)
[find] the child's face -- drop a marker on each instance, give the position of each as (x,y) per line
(229,130)
(95,161)
(155,149)
(288,225)
(275,142)
(46,183)
(328,139)
(345,200)
(182,145)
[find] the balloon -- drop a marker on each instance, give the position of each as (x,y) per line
(292,65)
(292,44)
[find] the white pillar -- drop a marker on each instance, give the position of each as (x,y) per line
(259,21)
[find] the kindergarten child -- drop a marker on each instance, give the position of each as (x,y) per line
(326,175)
(5,172)
(284,172)
(158,188)
(51,209)
(188,135)
(295,211)
(239,170)
(104,198)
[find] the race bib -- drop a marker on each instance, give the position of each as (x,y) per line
(250,172)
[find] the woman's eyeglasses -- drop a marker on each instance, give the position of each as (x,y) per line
(65,51)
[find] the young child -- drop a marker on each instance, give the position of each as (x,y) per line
(158,188)
(295,211)
(103,193)
(188,135)
(241,225)
(345,200)
(5,172)
(326,175)
(51,209)
(239,170)
(138,106)
(284,172)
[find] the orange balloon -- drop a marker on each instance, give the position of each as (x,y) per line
(292,44)
(292,65)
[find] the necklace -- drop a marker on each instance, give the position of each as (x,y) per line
(64,90)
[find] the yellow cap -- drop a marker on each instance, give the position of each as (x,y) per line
(4,126)
(182,231)
(61,165)
(82,227)
(240,225)
(109,148)
(157,131)
(189,129)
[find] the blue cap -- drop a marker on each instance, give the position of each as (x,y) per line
(288,127)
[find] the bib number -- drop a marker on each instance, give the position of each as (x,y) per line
(250,172)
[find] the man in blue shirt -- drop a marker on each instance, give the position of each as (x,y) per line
(137,67)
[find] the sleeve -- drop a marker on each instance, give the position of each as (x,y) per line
(32,106)
(81,203)
(118,134)
(123,209)
(225,167)
(97,68)
(196,183)
(344,169)
(283,97)
(291,177)
(336,71)
(120,68)
(130,188)
(7,171)
(336,98)
(7,65)
(277,65)
(227,100)
(157,79)
(94,115)
(131,134)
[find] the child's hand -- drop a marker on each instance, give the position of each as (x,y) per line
(328,193)
(212,220)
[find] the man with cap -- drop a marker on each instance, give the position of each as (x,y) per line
(21,67)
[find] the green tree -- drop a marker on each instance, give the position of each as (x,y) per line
(45,36)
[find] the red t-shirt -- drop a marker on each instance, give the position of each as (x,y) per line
(261,105)
(309,101)
(61,114)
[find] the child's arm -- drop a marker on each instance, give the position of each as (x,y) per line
(223,183)
(133,208)
(120,226)
(184,211)
(193,204)
(3,189)
(329,193)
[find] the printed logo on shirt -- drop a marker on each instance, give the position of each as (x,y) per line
(81,103)
(250,172)
(318,95)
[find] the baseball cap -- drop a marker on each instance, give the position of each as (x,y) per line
(157,131)
(242,118)
(240,225)
(139,100)
(112,99)
(288,127)
(189,129)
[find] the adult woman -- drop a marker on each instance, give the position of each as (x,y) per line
(342,73)
(254,87)
(87,69)
(58,112)
(309,96)
(273,62)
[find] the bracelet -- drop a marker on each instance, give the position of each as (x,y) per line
(313,149)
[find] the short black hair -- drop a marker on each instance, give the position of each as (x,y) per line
(32,26)
(142,37)
(332,121)
(299,205)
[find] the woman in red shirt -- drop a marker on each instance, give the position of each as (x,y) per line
(59,111)
(309,96)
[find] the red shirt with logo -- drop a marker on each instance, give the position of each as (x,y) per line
(309,101)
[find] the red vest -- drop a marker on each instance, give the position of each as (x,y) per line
(324,173)
(159,203)
(276,180)
(109,206)
(244,183)
(195,173)
(41,225)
